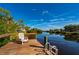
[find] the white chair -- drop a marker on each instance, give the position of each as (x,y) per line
(22,38)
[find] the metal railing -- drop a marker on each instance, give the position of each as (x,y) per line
(53,49)
(48,47)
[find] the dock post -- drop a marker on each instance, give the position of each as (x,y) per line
(45,42)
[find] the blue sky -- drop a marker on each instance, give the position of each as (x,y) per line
(44,16)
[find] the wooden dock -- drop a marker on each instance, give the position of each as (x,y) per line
(32,47)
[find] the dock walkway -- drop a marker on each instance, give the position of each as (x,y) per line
(32,47)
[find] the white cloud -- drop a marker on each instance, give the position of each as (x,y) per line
(40,20)
(34,20)
(45,12)
(34,9)
(63,14)
(71,17)
(74,22)
(37,25)
(52,20)
(57,20)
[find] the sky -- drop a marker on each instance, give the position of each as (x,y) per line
(44,15)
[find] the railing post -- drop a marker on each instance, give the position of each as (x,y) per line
(45,42)
(48,46)
(56,51)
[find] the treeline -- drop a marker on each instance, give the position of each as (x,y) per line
(34,30)
(72,28)
(67,30)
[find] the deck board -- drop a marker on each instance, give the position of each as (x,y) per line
(32,47)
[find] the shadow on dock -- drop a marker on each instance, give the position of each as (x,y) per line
(36,46)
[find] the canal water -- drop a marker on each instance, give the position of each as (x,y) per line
(65,46)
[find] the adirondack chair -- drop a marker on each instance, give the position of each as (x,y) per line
(22,37)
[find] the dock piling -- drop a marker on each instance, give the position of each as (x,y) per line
(45,42)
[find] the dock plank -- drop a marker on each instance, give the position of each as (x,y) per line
(32,47)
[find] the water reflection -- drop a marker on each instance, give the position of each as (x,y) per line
(72,37)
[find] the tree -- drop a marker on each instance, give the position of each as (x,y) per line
(7,24)
(26,28)
(34,30)
(9,19)
(72,28)
(4,12)
(21,24)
